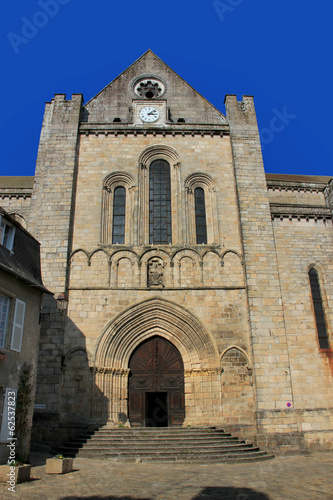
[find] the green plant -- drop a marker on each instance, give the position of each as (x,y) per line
(20,460)
(23,406)
(59,456)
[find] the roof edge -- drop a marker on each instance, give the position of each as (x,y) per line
(33,284)
(14,181)
(299,178)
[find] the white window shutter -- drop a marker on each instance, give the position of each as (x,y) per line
(2,230)
(7,420)
(18,325)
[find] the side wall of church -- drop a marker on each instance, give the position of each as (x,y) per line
(276,264)
(302,244)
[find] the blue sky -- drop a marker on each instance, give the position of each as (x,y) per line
(280,52)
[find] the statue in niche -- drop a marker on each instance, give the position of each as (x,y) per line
(155,272)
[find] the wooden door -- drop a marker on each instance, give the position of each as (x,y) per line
(156,369)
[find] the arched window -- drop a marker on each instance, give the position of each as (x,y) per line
(200,215)
(118,221)
(318,309)
(117,225)
(159,203)
(202,225)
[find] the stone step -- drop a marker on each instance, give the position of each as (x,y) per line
(155,439)
(256,457)
(161,451)
(195,457)
(158,433)
(164,449)
(158,429)
(172,451)
(143,442)
(166,454)
(166,444)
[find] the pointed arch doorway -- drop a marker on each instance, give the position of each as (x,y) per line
(156,385)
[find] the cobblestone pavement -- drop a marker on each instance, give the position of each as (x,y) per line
(301,477)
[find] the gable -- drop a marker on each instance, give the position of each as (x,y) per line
(116,99)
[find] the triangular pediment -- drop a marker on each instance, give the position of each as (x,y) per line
(115,101)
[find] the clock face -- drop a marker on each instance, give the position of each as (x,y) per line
(149,114)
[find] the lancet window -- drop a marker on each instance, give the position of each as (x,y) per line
(318,309)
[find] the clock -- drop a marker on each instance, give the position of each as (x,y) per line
(149,114)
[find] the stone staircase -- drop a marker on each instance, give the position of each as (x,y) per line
(164,445)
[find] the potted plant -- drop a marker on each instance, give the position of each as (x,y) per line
(16,472)
(59,465)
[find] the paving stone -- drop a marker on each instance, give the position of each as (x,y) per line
(298,477)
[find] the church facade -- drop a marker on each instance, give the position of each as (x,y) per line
(190,288)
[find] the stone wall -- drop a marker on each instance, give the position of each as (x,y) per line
(300,245)
(101,155)
(50,221)
(268,334)
(107,280)
(288,366)
(15,197)
(222,312)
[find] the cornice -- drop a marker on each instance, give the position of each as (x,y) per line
(15,193)
(170,129)
(282,185)
(281,211)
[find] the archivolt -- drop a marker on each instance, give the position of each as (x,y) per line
(159,152)
(198,178)
(156,317)
(118,179)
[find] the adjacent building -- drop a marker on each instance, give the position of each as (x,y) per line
(21,292)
